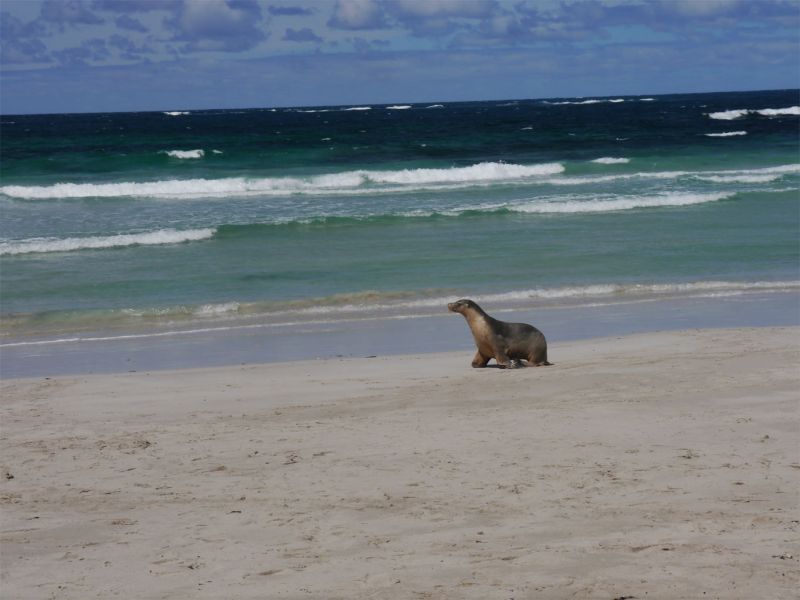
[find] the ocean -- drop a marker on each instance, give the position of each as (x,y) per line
(136,226)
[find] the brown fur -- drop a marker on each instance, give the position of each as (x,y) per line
(507,343)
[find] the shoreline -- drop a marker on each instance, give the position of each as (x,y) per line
(649,465)
(211,344)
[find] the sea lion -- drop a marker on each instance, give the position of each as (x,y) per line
(507,343)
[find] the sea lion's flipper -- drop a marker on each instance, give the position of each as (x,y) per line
(479,361)
(504,362)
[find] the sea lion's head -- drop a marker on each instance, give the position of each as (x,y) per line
(461,306)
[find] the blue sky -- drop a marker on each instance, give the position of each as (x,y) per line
(125,55)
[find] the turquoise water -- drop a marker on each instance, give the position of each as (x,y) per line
(162,222)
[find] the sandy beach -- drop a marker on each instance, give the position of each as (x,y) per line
(660,465)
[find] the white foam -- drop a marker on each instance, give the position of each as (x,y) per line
(617,203)
(163,236)
(476,173)
(399,107)
(728,115)
(585,102)
(435,106)
(212,310)
(589,179)
(774,112)
(609,160)
(726,134)
(644,289)
(647,99)
(795,168)
(766,178)
(176,113)
(345,182)
(184,154)
(216,152)
(359,108)
(361,182)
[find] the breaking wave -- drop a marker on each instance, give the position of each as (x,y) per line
(346,182)
(730,115)
(45,245)
(609,160)
(365,182)
(184,154)
(617,203)
(726,134)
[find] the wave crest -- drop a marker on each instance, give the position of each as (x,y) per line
(346,182)
(730,115)
(184,154)
(153,238)
(620,203)
(726,134)
(610,160)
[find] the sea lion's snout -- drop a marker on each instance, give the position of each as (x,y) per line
(456,306)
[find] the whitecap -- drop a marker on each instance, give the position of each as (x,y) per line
(775,112)
(399,107)
(492,171)
(435,106)
(176,113)
(726,134)
(610,160)
(585,102)
(152,238)
(734,173)
(334,183)
(359,108)
(617,203)
(765,178)
(728,115)
(184,154)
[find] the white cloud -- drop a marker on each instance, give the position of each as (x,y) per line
(218,25)
(357,14)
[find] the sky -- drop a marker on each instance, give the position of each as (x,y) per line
(59,56)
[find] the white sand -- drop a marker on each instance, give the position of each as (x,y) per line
(653,466)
